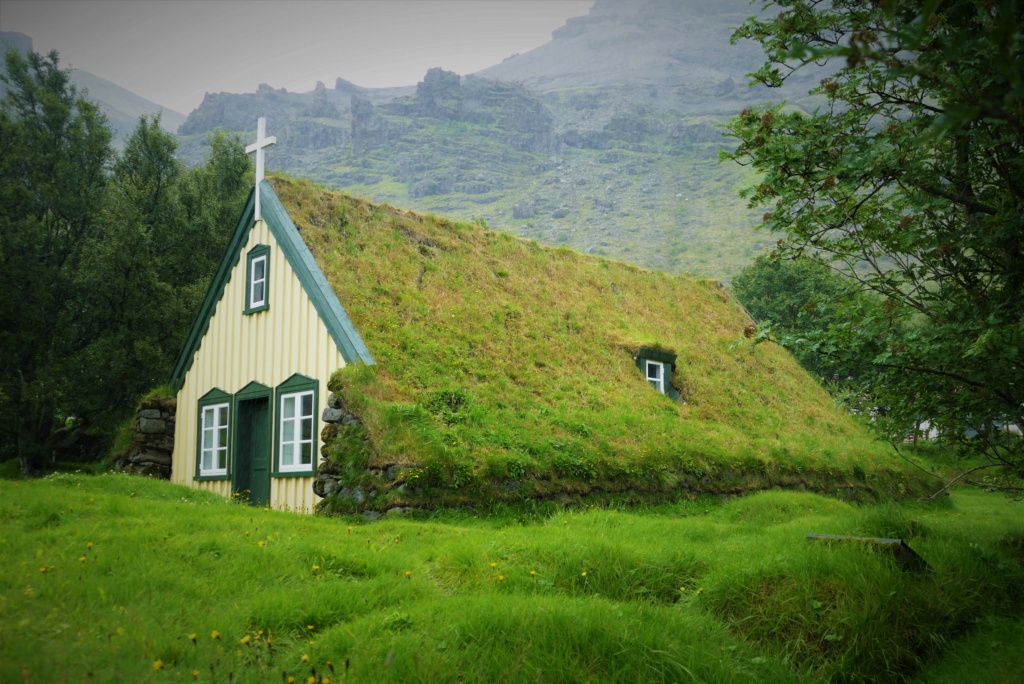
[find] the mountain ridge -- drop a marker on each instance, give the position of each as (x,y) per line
(121,106)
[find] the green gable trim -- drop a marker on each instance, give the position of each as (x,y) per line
(325,301)
(254,390)
(653,354)
(255,253)
(214,292)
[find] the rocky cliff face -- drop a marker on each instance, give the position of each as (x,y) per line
(604,139)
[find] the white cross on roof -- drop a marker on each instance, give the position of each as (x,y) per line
(261,142)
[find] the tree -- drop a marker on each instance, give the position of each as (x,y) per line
(909,178)
(54,151)
(103,261)
(796,298)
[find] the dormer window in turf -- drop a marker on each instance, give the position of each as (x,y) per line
(212,440)
(657,366)
(296,445)
(257,281)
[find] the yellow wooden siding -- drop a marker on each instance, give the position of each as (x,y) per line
(268,347)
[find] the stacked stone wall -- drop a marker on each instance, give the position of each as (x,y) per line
(152,440)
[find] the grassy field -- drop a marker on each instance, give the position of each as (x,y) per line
(114,578)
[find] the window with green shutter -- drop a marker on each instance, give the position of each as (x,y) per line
(297,440)
(257,279)
(657,365)
(213,444)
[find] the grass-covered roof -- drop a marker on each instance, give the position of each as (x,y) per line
(507,369)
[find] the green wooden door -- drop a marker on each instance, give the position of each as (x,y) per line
(251,477)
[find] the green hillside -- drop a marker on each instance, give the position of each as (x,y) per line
(604,139)
(506,371)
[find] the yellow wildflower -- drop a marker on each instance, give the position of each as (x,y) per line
(408,574)
(245,640)
(583,574)
(494,565)
(533,573)
(81,559)
(89,545)
(158,664)
(309,627)
(501,578)
(215,634)
(316,568)
(192,638)
(304,658)
(195,673)
(262,543)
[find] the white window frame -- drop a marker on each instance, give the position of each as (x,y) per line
(296,442)
(657,382)
(218,448)
(253,282)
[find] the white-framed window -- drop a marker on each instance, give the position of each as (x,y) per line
(257,279)
(655,372)
(258,282)
(296,432)
(213,440)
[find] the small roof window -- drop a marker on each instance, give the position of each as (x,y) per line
(657,366)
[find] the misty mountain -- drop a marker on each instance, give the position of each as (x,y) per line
(122,107)
(604,139)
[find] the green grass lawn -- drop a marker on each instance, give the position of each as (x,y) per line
(114,578)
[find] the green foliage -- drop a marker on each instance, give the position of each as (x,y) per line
(104,261)
(907,179)
(109,574)
(792,300)
(52,185)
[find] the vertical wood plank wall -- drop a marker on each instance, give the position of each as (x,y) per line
(267,347)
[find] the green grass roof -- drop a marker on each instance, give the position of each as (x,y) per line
(502,361)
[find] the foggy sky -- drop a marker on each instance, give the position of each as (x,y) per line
(173,51)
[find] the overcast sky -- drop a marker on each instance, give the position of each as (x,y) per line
(174,51)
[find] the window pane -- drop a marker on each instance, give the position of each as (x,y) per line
(223,420)
(222,458)
(654,371)
(258,269)
(307,429)
(287,451)
(207,439)
(207,418)
(205,463)
(288,407)
(307,453)
(307,404)
(257,293)
(288,431)
(223,435)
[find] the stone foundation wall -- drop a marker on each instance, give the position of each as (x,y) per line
(152,440)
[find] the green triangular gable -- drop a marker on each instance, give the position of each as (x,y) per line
(301,261)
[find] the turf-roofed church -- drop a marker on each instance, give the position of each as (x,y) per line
(353,357)
(252,376)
